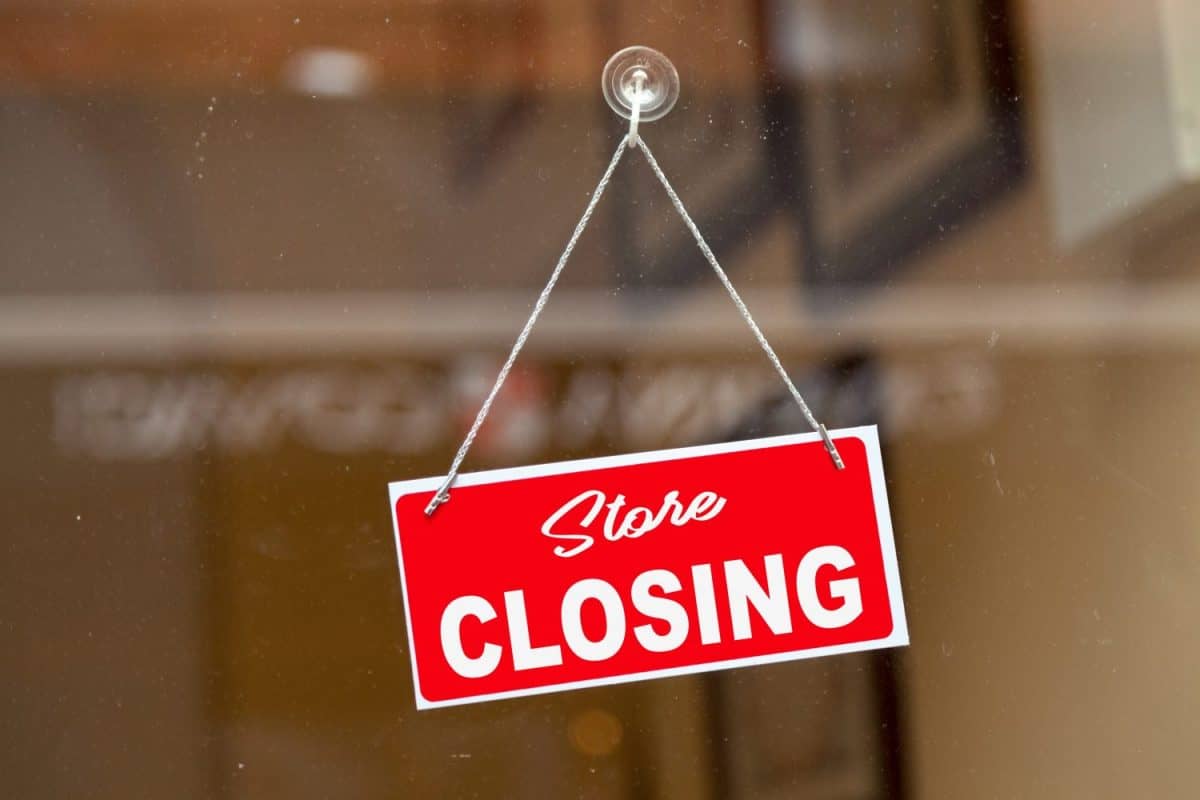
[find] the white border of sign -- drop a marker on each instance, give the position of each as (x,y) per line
(867,434)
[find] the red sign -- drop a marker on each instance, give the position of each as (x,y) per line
(607,570)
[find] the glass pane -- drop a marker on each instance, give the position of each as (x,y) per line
(258,259)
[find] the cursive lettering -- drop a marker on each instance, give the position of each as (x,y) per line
(632,524)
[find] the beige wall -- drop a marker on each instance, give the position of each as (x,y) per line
(1051,566)
(1051,559)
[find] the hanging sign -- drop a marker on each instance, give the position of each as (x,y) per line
(608,570)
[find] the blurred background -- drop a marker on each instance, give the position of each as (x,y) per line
(260,257)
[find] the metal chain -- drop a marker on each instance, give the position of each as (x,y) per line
(741,305)
(443,492)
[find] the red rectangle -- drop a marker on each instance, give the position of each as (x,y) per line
(607,570)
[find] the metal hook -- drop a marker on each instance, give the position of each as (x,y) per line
(639,82)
